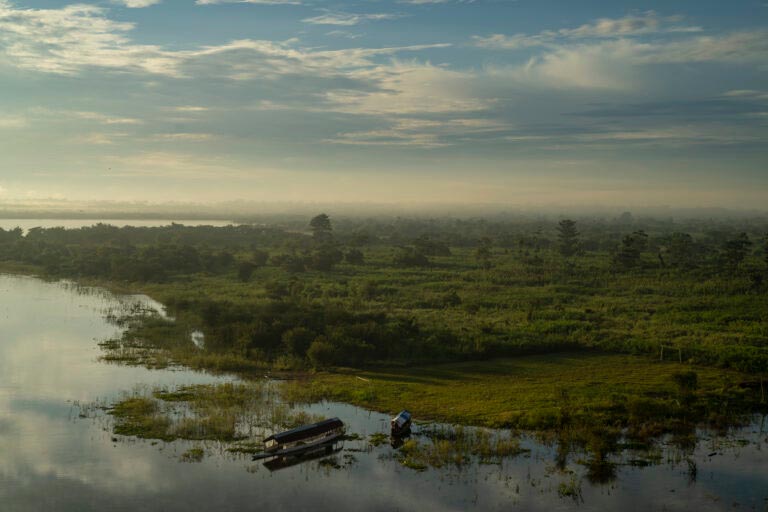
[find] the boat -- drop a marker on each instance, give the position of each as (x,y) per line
(303,438)
(401,424)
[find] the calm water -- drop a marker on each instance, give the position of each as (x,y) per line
(27,224)
(52,459)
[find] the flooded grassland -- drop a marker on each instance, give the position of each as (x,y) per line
(78,433)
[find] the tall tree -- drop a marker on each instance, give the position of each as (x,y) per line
(631,249)
(568,238)
(321,227)
(765,249)
(680,250)
(483,253)
(734,252)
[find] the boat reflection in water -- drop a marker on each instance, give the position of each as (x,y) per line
(315,453)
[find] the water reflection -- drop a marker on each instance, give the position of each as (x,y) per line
(27,224)
(51,458)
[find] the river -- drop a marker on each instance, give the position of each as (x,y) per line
(27,224)
(54,458)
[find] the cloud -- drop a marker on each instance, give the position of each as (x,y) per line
(633,25)
(422,133)
(255,2)
(347,19)
(174,164)
(96,139)
(621,64)
(344,33)
(603,28)
(12,122)
(66,40)
(137,4)
(671,135)
(747,94)
(184,137)
(188,108)
(101,118)
(408,88)
(75,38)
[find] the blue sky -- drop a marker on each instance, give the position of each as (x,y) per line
(516,102)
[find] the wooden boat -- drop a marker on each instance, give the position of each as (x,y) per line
(401,424)
(303,438)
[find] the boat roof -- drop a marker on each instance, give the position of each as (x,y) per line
(404,415)
(306,431)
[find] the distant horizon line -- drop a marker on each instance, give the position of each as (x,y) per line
(240,209)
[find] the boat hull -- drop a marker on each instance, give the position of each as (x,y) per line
(304,447)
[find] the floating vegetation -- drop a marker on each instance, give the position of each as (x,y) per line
(457,446)
(330,462)
(221,412)
(571,489)
(378,439)
(193,455)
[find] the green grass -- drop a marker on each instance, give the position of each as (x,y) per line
(527,392)
(193,455)
(224,412)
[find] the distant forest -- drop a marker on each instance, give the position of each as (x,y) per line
(365,291)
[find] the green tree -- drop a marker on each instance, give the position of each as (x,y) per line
(568,238)
(354,257)
(321,352)
(734,251)
(296,341)
(410,257)
(245,270)
(680,251)
(765,250)
(325,258)
(321,227)
(425,245)
(259,257)
(483,253)
(630,251)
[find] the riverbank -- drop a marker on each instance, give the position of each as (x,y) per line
(546,391)
(536,392)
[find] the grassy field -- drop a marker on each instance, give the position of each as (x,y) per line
(539,391)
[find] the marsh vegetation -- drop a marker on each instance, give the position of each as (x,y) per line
(593,328)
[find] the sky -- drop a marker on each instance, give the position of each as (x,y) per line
(520,102)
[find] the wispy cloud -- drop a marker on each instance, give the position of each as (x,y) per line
(603,28)
(12,121)
(188,108)
(422,133)
(100,118)
(748,94)
(66,40)
(137,4)
(347,19)
(96,138)
(344,33)
(183,137)
(622,63)
(78,37)
(173,164)
(255,2)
